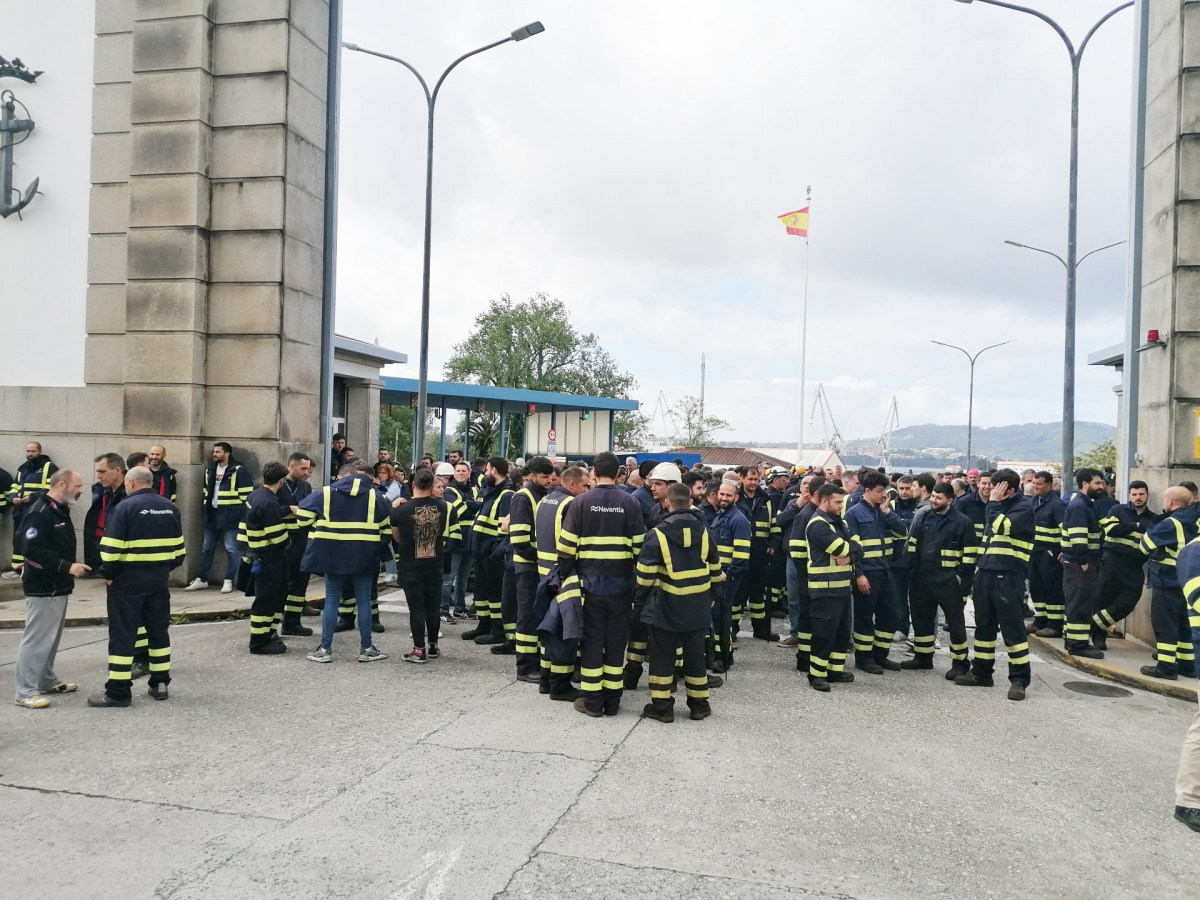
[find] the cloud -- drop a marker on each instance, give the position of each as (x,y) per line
(631,161)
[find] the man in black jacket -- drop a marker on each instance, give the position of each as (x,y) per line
(107,492)
(999,586)
(48,542)
(676,570)
(32,479)
(142,543)
(940,552)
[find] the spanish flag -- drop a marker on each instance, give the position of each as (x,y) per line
(796,222)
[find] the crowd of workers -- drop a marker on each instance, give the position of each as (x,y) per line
(591,576)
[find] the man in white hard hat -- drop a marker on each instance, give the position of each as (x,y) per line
(661,477)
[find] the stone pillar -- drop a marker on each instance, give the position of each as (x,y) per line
(362,417)
(205,258)
(1170,376)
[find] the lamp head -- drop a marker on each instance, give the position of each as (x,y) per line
(528,31)
(349,45)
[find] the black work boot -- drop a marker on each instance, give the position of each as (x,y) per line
(344,623)
(700,709)
(660,710)
(819,684)
(956,669)
(918,662)
(801,661)
(633,674)
(840,677)
(483,625)
(293,626)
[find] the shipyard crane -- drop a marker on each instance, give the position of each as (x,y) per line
(833,437)
(885,439)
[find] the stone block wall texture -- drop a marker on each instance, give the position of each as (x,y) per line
(205,257)
(1170,376)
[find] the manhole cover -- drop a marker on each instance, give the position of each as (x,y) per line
(1095,689)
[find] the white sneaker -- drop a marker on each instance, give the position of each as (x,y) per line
(388,578)
(200,584)
(226,586)
(11,576)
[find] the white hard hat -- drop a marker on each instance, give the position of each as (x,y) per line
(665,472)
(775,472)
(444,468)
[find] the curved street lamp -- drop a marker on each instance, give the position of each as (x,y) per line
(971,395)
(1071,264)
(520,34)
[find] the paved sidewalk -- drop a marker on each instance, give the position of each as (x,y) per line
(273,777)
(87,605)
(1121,663)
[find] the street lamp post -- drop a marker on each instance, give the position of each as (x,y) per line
(418,441)
(1068,436)
(971,394)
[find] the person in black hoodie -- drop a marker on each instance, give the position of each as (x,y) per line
(107,492)
(226,487)
(48,542)
(676,568)
(32,479)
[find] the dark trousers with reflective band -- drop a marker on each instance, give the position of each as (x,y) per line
(525,585)
(297,581)
(1172,632)
(777,581)
(504,616)
(605,628)
(721,636)
(138,596)
(270,589)
(1046,590)
(901,614)
(559,658)
(831,616)
(874,623)
(665,647)
(754,595)
(1081,590)
(348,606)
(1121,583)
(423,592)
(803,618)
(18,534)
(1000,609)
(927,596)
(489,584)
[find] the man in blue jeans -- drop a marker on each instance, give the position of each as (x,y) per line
(349,520)
(463,499)
(226,487)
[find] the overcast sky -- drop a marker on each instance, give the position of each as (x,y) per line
(632,159)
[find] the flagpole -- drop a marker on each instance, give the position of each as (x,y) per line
(804,333)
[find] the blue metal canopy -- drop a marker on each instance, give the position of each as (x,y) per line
(486,398)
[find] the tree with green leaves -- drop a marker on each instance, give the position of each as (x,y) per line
(532,345)
(1099,457)
(693,427)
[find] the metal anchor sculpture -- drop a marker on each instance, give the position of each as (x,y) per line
(10,127)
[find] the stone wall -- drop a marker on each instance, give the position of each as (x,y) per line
(205,259)
(1170,376)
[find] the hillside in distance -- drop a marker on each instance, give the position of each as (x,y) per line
(1034,441)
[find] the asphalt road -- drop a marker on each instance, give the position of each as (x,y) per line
(275,777)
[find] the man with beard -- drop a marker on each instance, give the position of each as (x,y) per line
(489,546)
(1123,564)
(941,554)
(831,561)
(1081,537)
(732,531)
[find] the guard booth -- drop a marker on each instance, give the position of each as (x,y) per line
(564,425)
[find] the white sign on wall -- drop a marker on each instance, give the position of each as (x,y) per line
(43,253)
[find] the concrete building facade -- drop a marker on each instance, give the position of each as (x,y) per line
(205,265)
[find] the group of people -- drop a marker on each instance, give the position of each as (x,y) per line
(591,576)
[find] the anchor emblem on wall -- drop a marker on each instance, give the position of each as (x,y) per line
(13,131)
